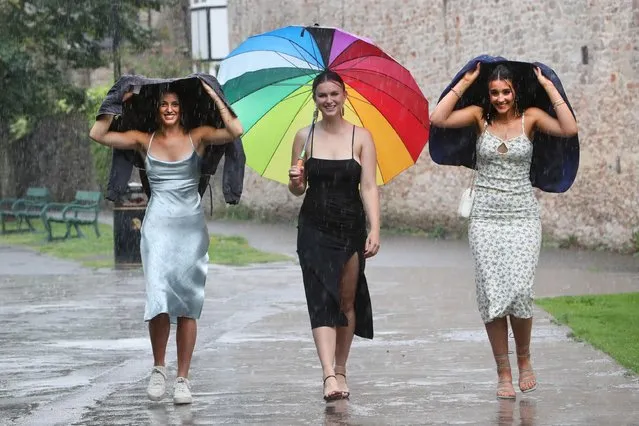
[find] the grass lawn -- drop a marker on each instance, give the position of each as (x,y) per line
(608,322)
(98,252)
(235,250)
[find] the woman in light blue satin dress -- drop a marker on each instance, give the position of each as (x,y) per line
(175,238)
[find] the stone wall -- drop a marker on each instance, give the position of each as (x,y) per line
(435,39)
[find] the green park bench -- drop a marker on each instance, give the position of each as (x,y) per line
(82,211)
(24,209)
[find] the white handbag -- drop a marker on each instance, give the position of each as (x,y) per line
(466,201)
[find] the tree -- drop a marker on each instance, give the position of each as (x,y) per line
(40,40)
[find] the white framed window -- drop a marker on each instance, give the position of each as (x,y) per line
(209,30)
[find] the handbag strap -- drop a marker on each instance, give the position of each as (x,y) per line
(473,176)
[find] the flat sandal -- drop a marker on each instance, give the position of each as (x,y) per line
(527,375)
(345,394)
(502,385)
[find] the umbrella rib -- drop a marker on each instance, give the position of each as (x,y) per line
(287,97)
(362,57)
(283,38)
(346,70)
(316,53)
(281,55)
(285,131)
(312,54)
(390,96)
(361,99)
(415,93)
(275,84)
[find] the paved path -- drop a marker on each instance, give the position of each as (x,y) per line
(73,348)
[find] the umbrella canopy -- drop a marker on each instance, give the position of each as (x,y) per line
(267,79)
(555,159)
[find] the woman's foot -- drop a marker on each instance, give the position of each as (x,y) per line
(182,391)
(527,378)
(331,388)
(505,389)
(340,375)
(157,383)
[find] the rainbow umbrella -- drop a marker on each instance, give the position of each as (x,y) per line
(267,80)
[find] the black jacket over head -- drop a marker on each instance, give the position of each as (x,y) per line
(198,109)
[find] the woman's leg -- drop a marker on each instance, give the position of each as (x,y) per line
(185,341)
(522,330)
(325,338)
(347,291)
(498,336)
(159,329)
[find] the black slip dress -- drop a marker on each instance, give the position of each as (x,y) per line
(331,229)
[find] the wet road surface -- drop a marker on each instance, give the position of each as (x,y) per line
(74,349)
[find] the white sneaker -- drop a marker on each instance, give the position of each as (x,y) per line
(182,391)
(157,383)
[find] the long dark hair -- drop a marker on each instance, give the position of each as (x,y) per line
(327,75)
(503,73)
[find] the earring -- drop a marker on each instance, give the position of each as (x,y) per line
(343,112)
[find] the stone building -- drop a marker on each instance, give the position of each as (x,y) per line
(591,44)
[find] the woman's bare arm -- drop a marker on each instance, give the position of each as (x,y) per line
(565,124)
(232,125)
(369,191)
(100,133)
(444,115)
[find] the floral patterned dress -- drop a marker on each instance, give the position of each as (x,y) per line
(505,227)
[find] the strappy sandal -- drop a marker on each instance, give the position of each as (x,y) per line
(504,387)
(346,393)
(527,375)
(333,396)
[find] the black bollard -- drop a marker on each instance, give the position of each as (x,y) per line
(128,215)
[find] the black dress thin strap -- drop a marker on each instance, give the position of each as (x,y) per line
(312,136)
(353,143)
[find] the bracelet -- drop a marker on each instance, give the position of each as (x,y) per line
(558,102)
(452,89)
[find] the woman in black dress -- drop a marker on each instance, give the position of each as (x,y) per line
(338,177)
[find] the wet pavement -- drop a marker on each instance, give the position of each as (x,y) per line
(74,349)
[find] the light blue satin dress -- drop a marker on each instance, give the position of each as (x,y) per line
(175,239)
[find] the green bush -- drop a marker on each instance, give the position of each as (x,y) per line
(101,154)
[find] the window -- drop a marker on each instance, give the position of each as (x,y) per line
(209,30)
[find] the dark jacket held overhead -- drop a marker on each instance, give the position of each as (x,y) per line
(122,161)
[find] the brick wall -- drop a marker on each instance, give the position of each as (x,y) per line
(434,41)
